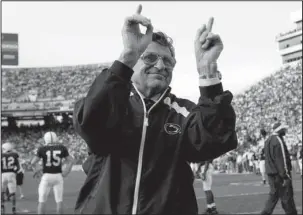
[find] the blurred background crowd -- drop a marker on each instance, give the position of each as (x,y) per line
(276,97)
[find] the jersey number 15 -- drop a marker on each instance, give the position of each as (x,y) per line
(53,158)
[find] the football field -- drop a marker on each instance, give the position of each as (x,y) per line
(234,194)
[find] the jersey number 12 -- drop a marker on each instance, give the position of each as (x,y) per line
(8,164)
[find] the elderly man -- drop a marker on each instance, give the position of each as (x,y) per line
(278,170)
(141,136)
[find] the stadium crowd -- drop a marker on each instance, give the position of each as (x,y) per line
(50,83)
(277,97)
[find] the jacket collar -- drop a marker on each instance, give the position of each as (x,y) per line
(276,134)
(157,98)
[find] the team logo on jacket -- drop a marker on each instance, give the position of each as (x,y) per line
(172,128)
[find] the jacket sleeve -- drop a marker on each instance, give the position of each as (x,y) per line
(210,126)
(98,116)
(279,158)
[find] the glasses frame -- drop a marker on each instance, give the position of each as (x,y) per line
(158,57)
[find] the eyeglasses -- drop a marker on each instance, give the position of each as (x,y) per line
(153,58)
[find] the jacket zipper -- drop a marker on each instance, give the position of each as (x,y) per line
(284,157)
(140,159)
(141,150)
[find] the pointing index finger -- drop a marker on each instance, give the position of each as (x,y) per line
(210,24)
(139,9)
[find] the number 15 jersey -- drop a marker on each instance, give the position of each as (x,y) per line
(52,156)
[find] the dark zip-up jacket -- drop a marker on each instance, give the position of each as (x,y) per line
(140,159)
(277,158)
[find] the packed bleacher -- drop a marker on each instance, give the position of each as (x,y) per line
(48,83)
(277,96)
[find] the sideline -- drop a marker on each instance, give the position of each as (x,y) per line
(243,194)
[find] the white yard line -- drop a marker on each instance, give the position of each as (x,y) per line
(255,212)
(23,211)
(299,209)
(241,194)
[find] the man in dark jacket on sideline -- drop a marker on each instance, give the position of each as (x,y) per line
(142,137)
(278,169)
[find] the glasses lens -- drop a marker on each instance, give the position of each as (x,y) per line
(150,58)
(168,62)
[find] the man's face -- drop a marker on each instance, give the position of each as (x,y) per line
(156,77)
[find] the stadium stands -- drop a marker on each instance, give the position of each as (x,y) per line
(55,83)
(279,95)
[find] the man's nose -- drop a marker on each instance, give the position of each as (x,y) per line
(160,64)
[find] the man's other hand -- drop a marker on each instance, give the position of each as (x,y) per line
(134,41)
(208,47)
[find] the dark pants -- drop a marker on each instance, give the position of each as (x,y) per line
(277,191)
(19,178)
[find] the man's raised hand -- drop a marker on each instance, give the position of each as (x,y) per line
(208,47)
(134,41)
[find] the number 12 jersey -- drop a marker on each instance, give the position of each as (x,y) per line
(9,162)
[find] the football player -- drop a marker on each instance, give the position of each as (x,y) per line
(206,175)
(19,179)
(264,137)
(52,155)
(9,167)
